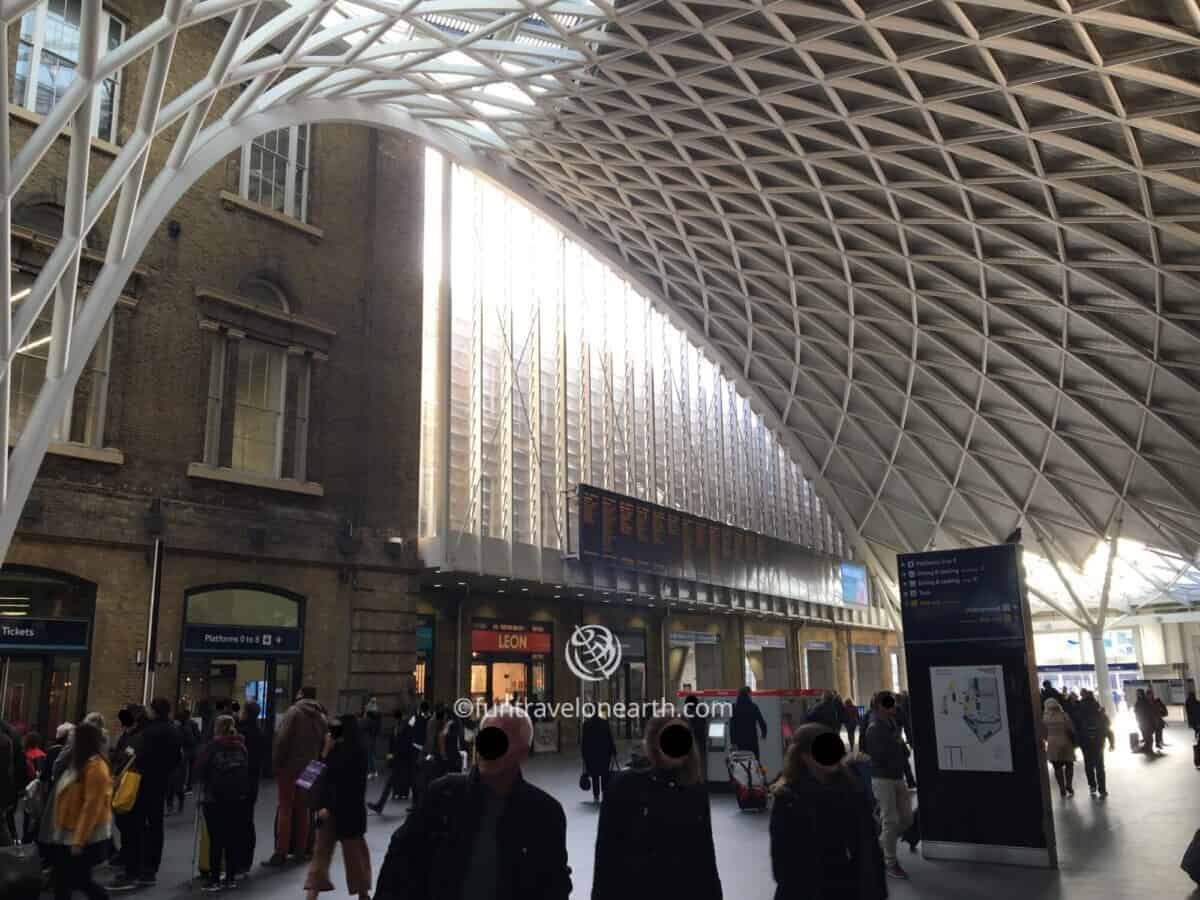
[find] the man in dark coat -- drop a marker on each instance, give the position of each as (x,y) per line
(1143,711)
(160,752)
(1048,693)
(1191,711)
(487,833)
(828,712)
(746,723)
(599,751)
(14,775)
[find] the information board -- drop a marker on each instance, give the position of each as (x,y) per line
(240,640)
(44,634)
(624,531)
(983,785)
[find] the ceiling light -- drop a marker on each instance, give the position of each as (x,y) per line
(437,585)
(462,584)
(525,590)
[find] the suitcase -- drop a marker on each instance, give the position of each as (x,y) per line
(20,872)
(1135,742)
(1191,859)
(748,779)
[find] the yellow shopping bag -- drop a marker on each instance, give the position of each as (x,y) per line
(127,790)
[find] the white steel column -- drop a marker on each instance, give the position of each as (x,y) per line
(443,367)
(1100,657)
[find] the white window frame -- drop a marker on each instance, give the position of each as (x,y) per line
(276,356)
(218,369)
(294,170)
(40,13)
(99,369)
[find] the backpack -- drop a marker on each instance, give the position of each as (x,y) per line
(228,773)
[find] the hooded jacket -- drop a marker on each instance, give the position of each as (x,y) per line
(225,744)
(301,736)
(823,843)
(1060,733)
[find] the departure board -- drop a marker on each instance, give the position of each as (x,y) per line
(631,533)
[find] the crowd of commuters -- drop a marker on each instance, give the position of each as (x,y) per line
(837,818)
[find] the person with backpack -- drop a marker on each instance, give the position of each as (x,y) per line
(1093,731)
(823,842)
(224,770)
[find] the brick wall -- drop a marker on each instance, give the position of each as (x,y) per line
(362,278)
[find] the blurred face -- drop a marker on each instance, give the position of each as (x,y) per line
(674,745)
(501,746)
(887,707)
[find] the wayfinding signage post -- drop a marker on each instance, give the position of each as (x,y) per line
(983,792)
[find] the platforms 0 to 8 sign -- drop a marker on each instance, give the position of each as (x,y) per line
(961,595)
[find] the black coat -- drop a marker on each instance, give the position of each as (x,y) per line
(888,753)
(1191,709)
(597,745)
(823,844)
(428,854)
(745,725)
(655,840)
(344,791)
(828,713)
(161,750)
(256,749)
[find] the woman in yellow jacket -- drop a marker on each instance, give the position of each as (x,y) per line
(82,816)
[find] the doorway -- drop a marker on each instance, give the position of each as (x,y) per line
(271,683)
(39,693)
(507,678)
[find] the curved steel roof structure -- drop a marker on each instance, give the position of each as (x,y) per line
(951,247)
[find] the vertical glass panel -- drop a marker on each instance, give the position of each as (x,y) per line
(65,689)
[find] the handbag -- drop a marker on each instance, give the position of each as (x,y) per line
(126,794)
(311,783)
(20,872)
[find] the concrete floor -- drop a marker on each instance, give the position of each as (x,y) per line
(1128,846)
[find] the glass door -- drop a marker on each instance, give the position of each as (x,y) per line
(21,692)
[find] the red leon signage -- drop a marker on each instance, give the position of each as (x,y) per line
(488,641)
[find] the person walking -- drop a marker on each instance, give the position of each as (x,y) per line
(747,723)
(655,838)
(823,844)
(418,729)
(889,756)
(1094,731)
(121,754)
(342,816)
(160,752)
(488,833)
(372,726)
(82,816)
(1191,712)
(224,770)
(1160,718)
(399,760)
(450,744)
(298,742)
(1143,712)
(1060,740)
(851,719)
(599,752)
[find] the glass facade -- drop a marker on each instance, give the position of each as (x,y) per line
(562,373)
